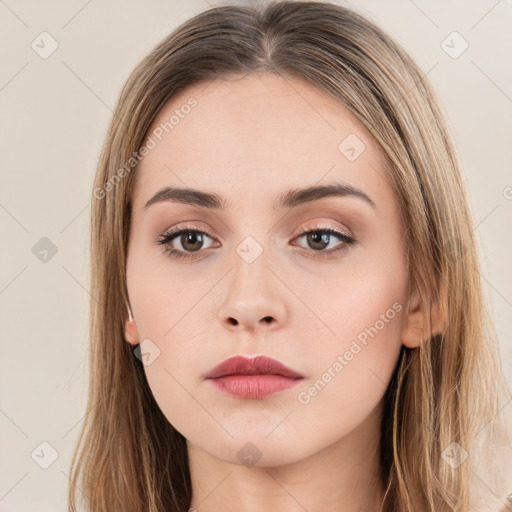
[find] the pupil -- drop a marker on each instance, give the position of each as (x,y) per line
(195,239)
(319,240)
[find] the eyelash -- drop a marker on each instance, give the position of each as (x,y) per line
(166,238)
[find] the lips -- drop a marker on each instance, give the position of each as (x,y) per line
(259,365)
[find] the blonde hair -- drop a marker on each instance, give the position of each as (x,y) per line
(129,458)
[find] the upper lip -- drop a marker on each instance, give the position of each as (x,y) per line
(259,365)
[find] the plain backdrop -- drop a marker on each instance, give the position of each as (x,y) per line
(55,110)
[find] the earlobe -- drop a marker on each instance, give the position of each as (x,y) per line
(415,329)
(412,331)
(130,332)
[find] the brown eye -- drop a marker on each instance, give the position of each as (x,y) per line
(317,240)
(182,243)
(191,240)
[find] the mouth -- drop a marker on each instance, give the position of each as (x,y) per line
(258,377)
(259,365)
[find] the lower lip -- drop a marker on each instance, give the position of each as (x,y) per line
(253,386)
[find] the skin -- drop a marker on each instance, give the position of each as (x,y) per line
(248,140)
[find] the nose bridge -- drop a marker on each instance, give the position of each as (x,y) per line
(251,298)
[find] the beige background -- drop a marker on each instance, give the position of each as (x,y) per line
(55,112)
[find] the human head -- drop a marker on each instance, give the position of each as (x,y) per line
(385,92)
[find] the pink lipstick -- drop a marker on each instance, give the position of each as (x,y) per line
(257,377)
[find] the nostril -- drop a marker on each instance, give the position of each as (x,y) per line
(268,319)
(232,321)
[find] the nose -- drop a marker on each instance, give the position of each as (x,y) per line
(253,299)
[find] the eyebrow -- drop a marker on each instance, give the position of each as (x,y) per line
(289,199)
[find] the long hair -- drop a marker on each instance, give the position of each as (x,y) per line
(443,393)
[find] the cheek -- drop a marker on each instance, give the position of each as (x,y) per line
(364,304)
(350,372)
(165,300)
(362,355)
(358,318)
(170,314)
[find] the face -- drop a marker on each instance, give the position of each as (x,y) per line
(317,281)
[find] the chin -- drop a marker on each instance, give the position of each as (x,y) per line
(260,450)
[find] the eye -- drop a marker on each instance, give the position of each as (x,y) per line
(187,239)
(184,241)
(322,238)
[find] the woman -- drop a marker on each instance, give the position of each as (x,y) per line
(287,310)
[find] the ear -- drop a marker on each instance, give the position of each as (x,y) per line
(130,330)
(415,329)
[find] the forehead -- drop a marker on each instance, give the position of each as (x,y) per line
(252,137)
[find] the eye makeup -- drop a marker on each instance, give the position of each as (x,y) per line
(319,235)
